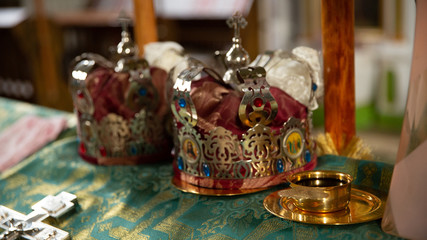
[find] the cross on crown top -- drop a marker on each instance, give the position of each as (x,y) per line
(124,20)
(237,21)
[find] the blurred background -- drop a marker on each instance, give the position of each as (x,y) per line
(39,39)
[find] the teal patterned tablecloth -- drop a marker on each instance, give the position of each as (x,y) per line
(139,202)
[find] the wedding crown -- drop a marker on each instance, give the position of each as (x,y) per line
(121,112)
(239,131)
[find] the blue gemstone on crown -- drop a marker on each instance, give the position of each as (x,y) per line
(314,87)
(280,167)
(182,103)
(133,150)
(206,169)
(142,92)
(180,163)
(307,156)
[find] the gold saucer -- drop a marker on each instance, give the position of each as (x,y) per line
(190,188)
(363,207)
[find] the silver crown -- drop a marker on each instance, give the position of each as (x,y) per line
(116,104)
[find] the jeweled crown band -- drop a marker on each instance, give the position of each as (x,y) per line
(258,153)
(116,137)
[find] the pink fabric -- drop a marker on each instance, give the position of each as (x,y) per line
(26,136)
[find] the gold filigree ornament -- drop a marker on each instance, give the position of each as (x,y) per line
(114,134)
(145,126)
(258,146)
(257,105)
(221,151)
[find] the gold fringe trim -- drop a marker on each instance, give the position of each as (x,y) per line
(356,148)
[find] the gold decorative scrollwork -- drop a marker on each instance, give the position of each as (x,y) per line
(258,146)
(221,155)
(114,132)
(257,105)
(145,126)
(221,151)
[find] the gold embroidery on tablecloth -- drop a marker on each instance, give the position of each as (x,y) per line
(352,167)
(267,227)
(99,181)
(118,232)
(83,234)
(172,226)
(85,219)
(105,227)
(124,233)
(76,176)
(86,201)
(385,180)
(132,214)
(369,170)
(304,231)
(219,236)
(15,181)
(38,186)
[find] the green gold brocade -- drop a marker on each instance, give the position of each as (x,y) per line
(139,202)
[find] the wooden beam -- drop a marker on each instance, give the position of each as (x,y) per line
(338,62)
(145,27)
(50,89)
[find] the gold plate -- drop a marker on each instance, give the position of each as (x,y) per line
(190,188)
(364,206)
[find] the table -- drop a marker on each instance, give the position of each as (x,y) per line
(139,202)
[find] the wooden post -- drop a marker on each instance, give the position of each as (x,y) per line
(50,89)
(145,27)
(47,86)
(338,62)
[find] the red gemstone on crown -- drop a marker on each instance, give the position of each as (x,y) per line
(258,102)
(103,151)
(82,148)
(80,94)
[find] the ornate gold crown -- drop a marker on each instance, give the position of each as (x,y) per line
(246,134)
(260,157)
(121,113)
